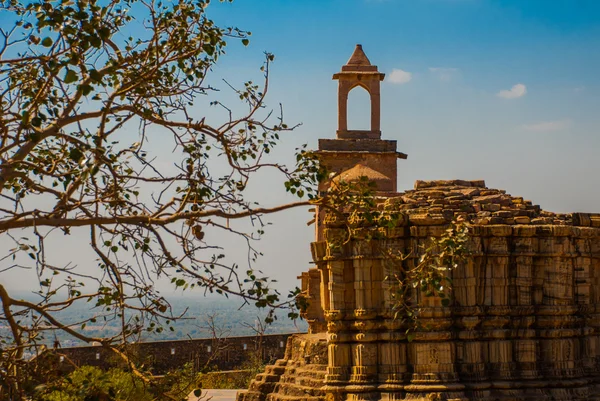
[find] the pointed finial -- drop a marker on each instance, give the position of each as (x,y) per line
(358,57)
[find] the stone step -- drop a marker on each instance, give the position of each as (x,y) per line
(266,378)
(264,387)
(275,370)
(280,397)
(303,381)
(291,389)
(315,374)
(310,382)
(316,371)
(249,395)
(307,368)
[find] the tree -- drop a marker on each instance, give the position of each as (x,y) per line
(85,85)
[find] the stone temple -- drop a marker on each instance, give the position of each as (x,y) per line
(524,321)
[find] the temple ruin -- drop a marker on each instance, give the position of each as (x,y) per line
(523,321)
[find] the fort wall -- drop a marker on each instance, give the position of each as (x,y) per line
(163,356)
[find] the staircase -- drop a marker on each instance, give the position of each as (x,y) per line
(299,377)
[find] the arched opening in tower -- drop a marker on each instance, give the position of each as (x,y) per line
(359,109)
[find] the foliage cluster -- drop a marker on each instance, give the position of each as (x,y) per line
(88,88)
(89,383)
(240,378)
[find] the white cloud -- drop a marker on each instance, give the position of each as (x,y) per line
(398,76)
(516,91)
(444,74)
(547,126)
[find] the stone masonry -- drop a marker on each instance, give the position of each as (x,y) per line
(160,357)
(524,321)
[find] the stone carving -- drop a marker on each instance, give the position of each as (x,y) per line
(524,322)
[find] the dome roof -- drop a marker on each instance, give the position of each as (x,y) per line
(382,181)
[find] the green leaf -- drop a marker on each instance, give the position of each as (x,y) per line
(104,33)
(75,154)
(86,89)
(47,42)
(95,75)
(245,42)
(208,49)
(36,121)
(95,41)
(197,392)
(70,77)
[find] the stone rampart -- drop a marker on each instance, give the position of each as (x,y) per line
(163,356)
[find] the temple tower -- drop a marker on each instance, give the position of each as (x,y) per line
(356,153)
(358,71)
(359,153)
(523,318)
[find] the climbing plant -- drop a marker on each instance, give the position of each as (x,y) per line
(423,271)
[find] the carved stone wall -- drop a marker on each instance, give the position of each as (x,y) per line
(524,318)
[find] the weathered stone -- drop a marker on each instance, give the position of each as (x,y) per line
(409,200)
(503,214)
(523,323)
(469,192)
(427,219)
(522,220)
(490,207)
(483,199)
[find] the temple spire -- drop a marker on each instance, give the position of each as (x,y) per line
(355,154)
(358,71)
(358,57)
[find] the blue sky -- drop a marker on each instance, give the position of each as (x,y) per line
(506,91)
(502,90)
